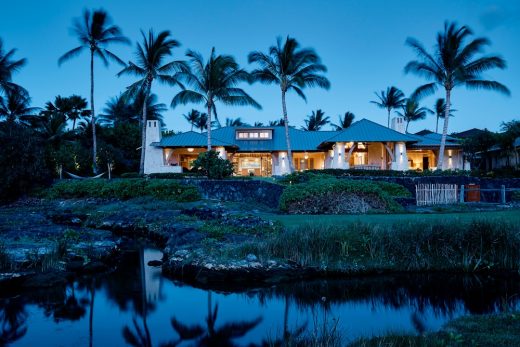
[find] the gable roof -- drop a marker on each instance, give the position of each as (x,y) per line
(365,130)
(190,139)
(434,140)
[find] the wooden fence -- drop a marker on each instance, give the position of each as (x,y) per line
(436,194)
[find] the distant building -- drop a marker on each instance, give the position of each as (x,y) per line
(262,151)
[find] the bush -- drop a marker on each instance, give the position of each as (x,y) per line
(211,165)
(131,175)
(174,175)
(22,161)
(515,196)
(123,189)
(329,195)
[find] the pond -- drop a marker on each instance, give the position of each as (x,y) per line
(136,305)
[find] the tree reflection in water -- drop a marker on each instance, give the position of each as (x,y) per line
(12,320)
(209,334)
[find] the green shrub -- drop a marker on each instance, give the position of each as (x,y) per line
(212,166)
(515,196)
(393,189)
(175,175)
(123,189)
(131,175)
(328,195)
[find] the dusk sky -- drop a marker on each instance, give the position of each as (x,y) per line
(361,42)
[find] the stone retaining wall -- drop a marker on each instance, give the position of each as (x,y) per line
(254,191)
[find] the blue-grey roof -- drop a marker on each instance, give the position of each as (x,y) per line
(434,140)
(368,131)
(360,131)
(190,139)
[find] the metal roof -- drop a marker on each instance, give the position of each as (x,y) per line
(360,131)
(365,130)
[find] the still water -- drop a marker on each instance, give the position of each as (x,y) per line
(136,306)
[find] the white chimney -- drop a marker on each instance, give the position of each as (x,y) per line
(153,131)
(397,124)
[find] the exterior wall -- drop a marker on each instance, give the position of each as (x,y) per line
(400,162)
(153,156)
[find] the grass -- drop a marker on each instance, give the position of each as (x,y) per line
(298,220)
(462,245)
(486,330)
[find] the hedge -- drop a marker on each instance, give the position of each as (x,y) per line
(123,189)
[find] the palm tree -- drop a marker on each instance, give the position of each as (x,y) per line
(95,32)
(117,111)
(212,81)
(440,107)
(345,121)
(77,109)
(192,117)
(258,124)
(8,67)
(452,64)
(15,107)
(237,122)
(291,68)
(392,99)
(154,109)
(275,123)
(413,112)
(150,66)
(315,121)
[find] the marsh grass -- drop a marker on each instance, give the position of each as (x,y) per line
(468,246)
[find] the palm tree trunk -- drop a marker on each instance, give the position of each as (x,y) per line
(208,127)
(407,124)
(94,140)
(287,138)
(440,164)
(143,127)
(388,126)
(437,125)
(73,124)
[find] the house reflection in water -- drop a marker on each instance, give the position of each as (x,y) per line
(151,278)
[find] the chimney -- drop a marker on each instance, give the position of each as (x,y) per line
(397,124)
(153,131)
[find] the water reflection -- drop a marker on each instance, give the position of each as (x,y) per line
(136,306)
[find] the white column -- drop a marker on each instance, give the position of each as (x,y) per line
(222,152)
(400,157)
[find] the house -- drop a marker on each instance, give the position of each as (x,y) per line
(262,151)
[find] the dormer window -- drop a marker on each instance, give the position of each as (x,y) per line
(254,134)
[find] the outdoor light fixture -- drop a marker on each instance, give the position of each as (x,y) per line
(401,154)
(190,149)
(306,156)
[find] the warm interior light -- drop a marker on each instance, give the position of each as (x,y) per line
(306,156)
(190,149)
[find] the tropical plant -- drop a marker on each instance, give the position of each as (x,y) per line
(150,66)
(118,110)
(507,140)
(440,107)
(95,32)
(390,100)
(275,123)
(52,127)
(202,122)
(315,121)
(8,67)
(192,117)
(212,81)
(291,68)
(345,121)
(154,109)
(453,63)
(70,108)
(258,124)
(212,165)
(412,112)
(15,107)
(236,122)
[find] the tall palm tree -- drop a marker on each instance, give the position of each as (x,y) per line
(192,117)
(345,121)
(236,122)
(212,81)
(15,107)
(291,68)
(8,67)
(413,112)
(315,121)
(154,109)
(453,64)
(440,107)
(77,109)
(150,66)
(392,99)
(95,32)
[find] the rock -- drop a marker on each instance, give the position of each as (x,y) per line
(271,263)
(183,253)
(45,280)
(251,258)
(155,263)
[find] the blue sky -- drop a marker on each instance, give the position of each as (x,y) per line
(361,43)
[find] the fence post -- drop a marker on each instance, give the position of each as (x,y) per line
(461,197)
(503,194)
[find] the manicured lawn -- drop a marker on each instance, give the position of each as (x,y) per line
(296,220)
